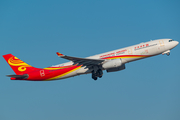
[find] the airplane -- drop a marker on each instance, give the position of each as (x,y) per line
(110,61)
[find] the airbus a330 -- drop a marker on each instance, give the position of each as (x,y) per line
(110,61)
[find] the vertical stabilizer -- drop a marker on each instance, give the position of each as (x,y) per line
(18,66)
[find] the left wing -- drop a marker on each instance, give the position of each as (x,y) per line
(82,61)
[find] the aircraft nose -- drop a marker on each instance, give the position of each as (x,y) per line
(177,42)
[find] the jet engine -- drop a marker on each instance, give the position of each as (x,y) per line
(112,64)
(122,67)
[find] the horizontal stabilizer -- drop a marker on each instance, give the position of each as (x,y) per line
(19,76)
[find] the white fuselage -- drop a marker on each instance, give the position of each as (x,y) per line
(148,49)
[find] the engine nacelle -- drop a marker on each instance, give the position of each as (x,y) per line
(122,67)
(112,64)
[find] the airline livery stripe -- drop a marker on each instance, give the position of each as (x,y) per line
(63,74)
(127,56)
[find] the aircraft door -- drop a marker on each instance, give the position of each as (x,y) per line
(42,73)
(161,47)
(130,52)
(161,43)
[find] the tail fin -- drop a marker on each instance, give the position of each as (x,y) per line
(18,66)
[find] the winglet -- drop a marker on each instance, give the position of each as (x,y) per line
(59,54)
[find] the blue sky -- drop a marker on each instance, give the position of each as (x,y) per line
(35,30)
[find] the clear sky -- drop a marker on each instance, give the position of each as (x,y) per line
(35,30)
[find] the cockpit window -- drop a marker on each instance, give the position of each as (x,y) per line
(170,40)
